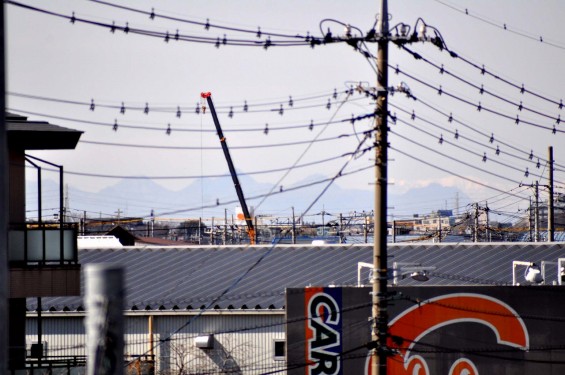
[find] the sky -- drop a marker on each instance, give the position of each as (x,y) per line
(517,42)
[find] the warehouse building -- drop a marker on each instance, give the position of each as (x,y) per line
(221,309)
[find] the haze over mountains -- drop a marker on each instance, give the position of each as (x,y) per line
(138,197)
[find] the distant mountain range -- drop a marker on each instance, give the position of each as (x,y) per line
(136,198)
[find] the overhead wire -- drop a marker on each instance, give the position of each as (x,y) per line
(435,166)
(189,177)
(453,158)
(207,25)
(502,25)
(181,127)
(293,41)
(478,106)
(481,88)
(147,108)
(308,147)
(479,156)
(161,147)
(521,88)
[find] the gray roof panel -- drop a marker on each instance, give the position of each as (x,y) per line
(195,276)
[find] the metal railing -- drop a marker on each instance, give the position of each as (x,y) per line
(42,244)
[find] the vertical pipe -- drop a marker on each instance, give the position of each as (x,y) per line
(394,231)
(151,343)
(39,328)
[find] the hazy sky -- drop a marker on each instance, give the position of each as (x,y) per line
(51,57)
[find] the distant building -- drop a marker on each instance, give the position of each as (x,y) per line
(435,220)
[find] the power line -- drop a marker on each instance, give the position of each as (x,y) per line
(478,106)
(293,41)
(157,147)
(521,88)
(481,88)
(455,159)
(189,177)
(207,25)
(484,158)
(503,26)
(230,109)
(452,173)
(181,128)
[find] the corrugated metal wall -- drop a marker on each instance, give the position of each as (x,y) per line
(243,343)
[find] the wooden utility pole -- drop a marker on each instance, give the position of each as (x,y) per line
(380,270)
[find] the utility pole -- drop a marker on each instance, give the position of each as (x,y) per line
(119,212)
(530,221)
(293,227)
(200,231)
(152,223)
(366,228)
(476,239)
(439,227)
(536,213)
(550,217)
(380,269)
(487,228)
(225,236)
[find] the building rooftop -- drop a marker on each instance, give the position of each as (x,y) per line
(39,135)
(171,278)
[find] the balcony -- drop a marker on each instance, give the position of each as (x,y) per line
(42,245)
(43,260)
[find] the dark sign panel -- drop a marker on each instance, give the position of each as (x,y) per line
(432,330)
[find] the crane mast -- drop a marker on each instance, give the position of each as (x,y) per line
(235,179)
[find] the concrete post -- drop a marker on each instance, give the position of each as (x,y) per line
(104,302)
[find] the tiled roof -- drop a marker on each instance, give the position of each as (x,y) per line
(191,277)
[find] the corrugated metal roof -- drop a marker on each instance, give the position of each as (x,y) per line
(191,277)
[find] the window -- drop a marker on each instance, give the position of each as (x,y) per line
(279,349)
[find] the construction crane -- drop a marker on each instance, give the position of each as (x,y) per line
(239,191)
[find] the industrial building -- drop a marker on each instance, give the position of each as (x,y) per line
(217,309)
